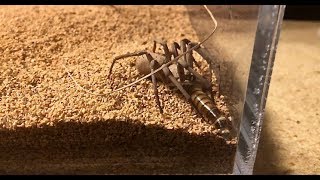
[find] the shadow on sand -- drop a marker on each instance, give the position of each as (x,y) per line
(268,160)
(111,147)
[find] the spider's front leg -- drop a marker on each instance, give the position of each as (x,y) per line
(153,66)
(204,82)
(139,53)
(170,77)
(213,65)
(164,45)
(184,46)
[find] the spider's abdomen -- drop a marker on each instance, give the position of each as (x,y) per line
(207,107)
(143,64)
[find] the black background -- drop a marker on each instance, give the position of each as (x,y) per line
(302,12)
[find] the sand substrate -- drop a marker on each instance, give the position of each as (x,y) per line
(49,126)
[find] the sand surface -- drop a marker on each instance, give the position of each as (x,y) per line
(49,126)
(290,138)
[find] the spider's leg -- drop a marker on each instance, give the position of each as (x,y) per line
(190,58)
(174,50)
(205,83)
(167,53)
(213,65)
(169,75)
(139,53)
(154,65)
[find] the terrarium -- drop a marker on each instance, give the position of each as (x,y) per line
(61,110)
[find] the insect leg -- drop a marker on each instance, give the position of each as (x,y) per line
(190,58)
(203,53)
(181,89)
(174,49)
(154,65)
(183,46)
(139,53)
(210,60)
(206,84)
(155,42)
(167,53)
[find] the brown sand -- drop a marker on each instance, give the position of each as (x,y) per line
(49,126)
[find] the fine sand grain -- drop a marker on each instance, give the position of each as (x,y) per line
(49,126)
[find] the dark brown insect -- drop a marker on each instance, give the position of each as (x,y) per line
(194,87)
(205,104)
(178,72)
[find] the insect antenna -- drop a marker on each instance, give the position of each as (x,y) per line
(155,71)
(178,57)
